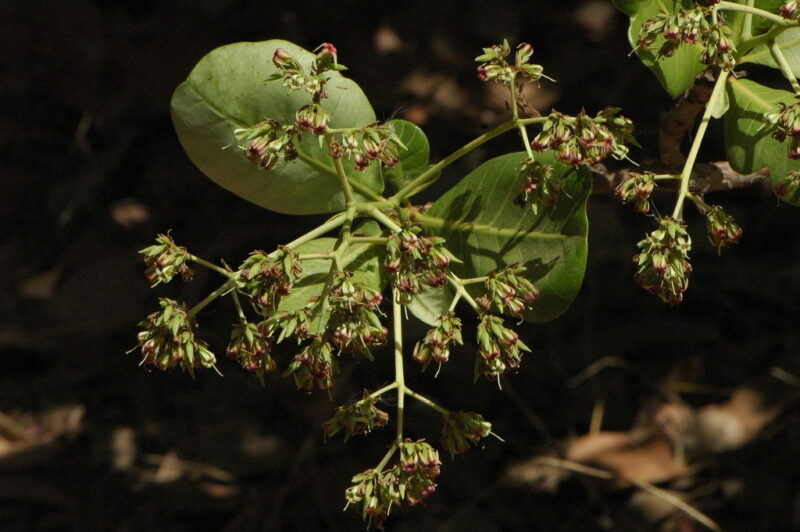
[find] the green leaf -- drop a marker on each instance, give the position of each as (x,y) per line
(228,89)
(748,143)
(413,159)
(364,260)
(431,303)
(487,230)
(675,73)
(789,43)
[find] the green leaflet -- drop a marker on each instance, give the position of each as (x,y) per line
(364,260)
(431,303)
(486,230)
(748,143)
(675,73)
(413,159)
(228,89)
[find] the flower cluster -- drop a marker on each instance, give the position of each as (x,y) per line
(509,291)
(353,324)
(585,140)
(265,279)
(499,348)
(722,228)
(540,184)
(414,260)
(495,66)
(411,481)
(376,142)
(662,266)
(462,429)
(438,341)
(788,188)
(356,418)
(295,76)
(168,340)
(690,26)
(786,120)
(314,365)
(250,344)
(790,9)
(637,189)
(164,260)
(268,143)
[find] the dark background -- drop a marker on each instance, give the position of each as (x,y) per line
(91,170)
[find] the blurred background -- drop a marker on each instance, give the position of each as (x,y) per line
(91,170)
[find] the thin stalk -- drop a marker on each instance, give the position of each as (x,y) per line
(387,388)
(399,375)
(239,309)
(428,174)
(344,182)
(747,27)
(316,256)
(322,167)
(369,240)
(766,15)
(332,223)
(428,402)
(747,45)
(515,112)
(386,457)
(211,266)
(784,65)
(382,218)
(458,285)
(698,141)
(226,286)
(702,205)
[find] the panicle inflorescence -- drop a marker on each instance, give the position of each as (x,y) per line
(691,26)
(354,325)
(499,348)
(357,418)
(786,121)
(250,345)
(268,143)
(463,429)
(436,345)
(788,188)
(494,64)
(265,279)
(314,366)
(168,340)
(313,80)
(509,291)
(414,260)
(722,228)
(583,140)
(662,265)
(637,190)
(540,186)
(164,260)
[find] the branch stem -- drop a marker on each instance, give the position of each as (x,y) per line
(228,285)
(211,266)
(428,402)
(749,9)
(783,64)
(399,375)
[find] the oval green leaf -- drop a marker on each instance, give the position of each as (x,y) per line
(413,158)
(675,73)
(364,260)
(487,230)
(748,143)
(431,303)
(228,89)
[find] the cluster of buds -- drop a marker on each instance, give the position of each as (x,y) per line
(411,481)
(637,189)
(265,279)
(295,77)
(356,418)
(268,143)
(540,185)
(583,140)
(438,341)
(786,120)
(788,188)
(414,260)
(499,348)
(509,291)
(722,228)
(168,340)
(494,64)
(462,429)
(314,365)
(312,117)
(662,265)
(353,324)
(250,345)
(790,9)
(164,260)
(690,26)
(376,142)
